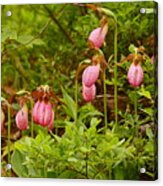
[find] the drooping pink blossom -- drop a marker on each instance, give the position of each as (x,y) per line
(97,37)
(2,120)
(90,75)
(50,126)
(43,113)
(22,118)
(89,93)
(35,111)
(135,75)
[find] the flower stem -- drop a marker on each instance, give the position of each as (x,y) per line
(76,98)
(136,113)
(136,104)
(56,131)
(31,120)
(105,101)
(115,76)
(9,137)
(86,165)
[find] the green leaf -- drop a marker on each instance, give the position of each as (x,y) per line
(145,93)
(118,173)
(149,133)
(70,105)
(3,99)
(107,12)
(52,175)
(68,174)
(88,110)
(86,61)
(72,159)
(23,39)
(21,92)
(38,41)
(148,111)
(17,161)
(108,82)
(95,122)
(84,150)
(8,33)
(132,48)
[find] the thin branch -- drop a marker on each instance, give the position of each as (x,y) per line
(58,24)
(40,33)
(44,27)
(59,13)
(21,69)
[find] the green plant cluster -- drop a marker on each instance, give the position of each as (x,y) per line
(44,44)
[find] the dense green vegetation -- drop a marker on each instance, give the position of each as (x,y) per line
(48,45)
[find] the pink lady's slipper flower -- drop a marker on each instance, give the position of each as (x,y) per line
(2,120)
(22,118)
(135,75)
(89,93)
(43,113)
(97,36)
(90,75)
(50,126)
(35,111)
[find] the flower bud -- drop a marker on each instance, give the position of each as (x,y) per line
(50,126)
(135,75)
(97,37)
(43,113)
(90,75)
(89,93)
(35,111)
(22,118)
(2,120)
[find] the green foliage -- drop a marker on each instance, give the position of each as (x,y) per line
(78,154)
(83,151)
(44,44)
